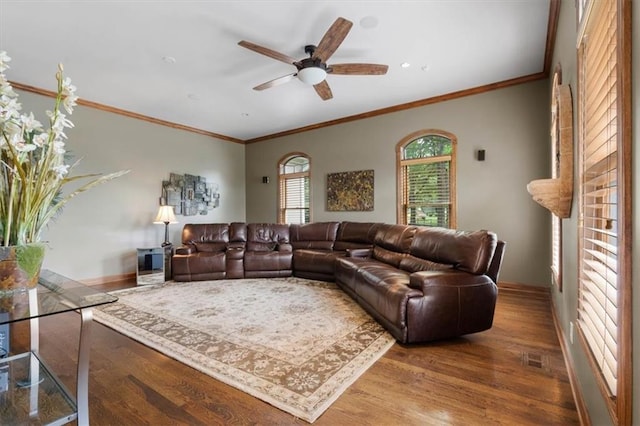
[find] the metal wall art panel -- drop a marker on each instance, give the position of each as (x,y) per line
(189,195)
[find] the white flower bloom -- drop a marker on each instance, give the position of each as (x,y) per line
(16,139)
(69,102)
(4,58)
(61,170)
(20,144)
(30,123)
(25,147)
(69,91)
(60,121)
(58,147)
(40,140)
(9,108)
(6,89)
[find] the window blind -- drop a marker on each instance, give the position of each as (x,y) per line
(427,191)
(598,315)
(294,199)
(556,250)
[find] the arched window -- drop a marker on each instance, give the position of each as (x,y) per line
(426,179)
(294,204)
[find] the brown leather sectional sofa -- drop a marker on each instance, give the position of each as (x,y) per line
(421,283)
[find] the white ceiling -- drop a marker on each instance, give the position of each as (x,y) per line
(114,52)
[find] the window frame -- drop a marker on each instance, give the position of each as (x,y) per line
(283,177)
(400,163)
(556,221)
(620,405)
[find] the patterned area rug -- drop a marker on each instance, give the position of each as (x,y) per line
(296,344)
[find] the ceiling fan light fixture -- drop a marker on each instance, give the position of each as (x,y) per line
(312,75)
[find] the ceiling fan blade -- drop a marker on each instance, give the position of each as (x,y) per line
(323,90)
(267,52)
(275,82)
(332,39)
(359,69)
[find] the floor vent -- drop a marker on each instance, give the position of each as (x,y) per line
(535,361)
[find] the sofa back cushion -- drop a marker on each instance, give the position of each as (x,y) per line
(210,247)
(392,242)
(194,233)
(468,251)
(238,232)
(415,264)
(318,235)
(266,236)
(353,235)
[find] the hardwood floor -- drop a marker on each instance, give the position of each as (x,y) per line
(513,374)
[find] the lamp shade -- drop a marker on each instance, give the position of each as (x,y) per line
(165,215)
(312,75)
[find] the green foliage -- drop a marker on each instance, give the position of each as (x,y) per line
(428,146)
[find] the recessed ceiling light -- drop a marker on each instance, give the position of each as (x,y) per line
(193,97)
(425,68)
(369,22)
(244,114)
(169,59)
(405,65)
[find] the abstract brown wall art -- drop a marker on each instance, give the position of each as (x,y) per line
(350,191)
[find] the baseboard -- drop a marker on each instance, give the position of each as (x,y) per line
(109,279)
(524,288)
(583,414)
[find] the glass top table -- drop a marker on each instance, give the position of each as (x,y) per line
(29,391)
(55,294)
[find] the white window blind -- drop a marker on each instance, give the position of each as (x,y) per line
(294,190)
(556,250)
(598,315)
(296,199)
(428,191)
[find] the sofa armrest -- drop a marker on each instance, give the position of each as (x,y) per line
(426,279)
(284,247)
(359,252)
(185,250)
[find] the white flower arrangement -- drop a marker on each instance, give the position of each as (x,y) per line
(33,163)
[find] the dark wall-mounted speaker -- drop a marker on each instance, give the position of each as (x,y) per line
(265,179)
(481,155)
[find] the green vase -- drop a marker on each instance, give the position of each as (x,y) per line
(20,267)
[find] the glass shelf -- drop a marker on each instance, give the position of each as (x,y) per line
(31,394)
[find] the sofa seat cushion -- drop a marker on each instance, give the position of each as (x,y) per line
(267,261)
(386,289)
(382,287)
(320,261)
(199,263)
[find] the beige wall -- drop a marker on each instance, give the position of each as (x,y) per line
(97,233)
(510,124)
(565,302)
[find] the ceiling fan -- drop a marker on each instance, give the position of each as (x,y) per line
(314,69)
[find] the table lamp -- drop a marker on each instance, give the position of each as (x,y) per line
(166,216)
